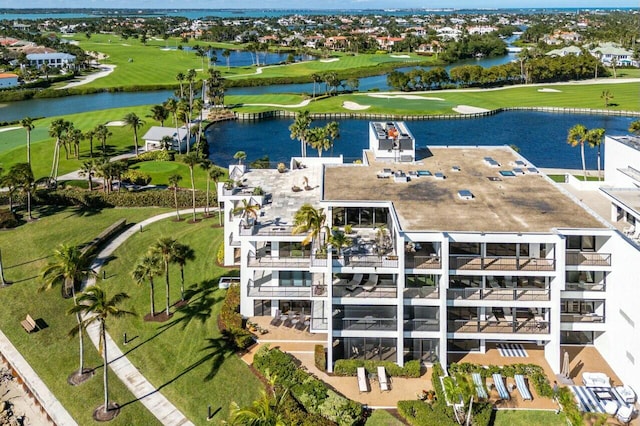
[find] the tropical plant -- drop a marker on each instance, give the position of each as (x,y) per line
(27,124)
(333,132)
(182,254)
(89,135)
(577,137)
(95,307)
(247,210)
(268,410)
(135,122)
(339,240)
(147,267)
(318,138)
(606,96)
(24,181)
(206,165)
(88,169)
(57,129)
(171,105)
(174,181)
(191,159)
(240,156)
(594,139)
(70,265)
(180,78)
(165,247)
(102,133)
(226,53)
(300,130)
(215,174)
(634,127)
(159,113)
(310,220)
(166,142)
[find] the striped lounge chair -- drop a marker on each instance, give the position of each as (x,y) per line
(500,387)
(478,383)
(522,387)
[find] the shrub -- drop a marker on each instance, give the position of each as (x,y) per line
(419,413)
(482,413)
(349,367)
(570,406)
(220,255)
(8,219)
(320,357)
(159,155)
(230,317)
(96,199)
(136,177)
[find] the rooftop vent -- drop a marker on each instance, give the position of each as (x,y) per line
(465,194)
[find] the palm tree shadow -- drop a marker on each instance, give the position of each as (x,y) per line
(85,211)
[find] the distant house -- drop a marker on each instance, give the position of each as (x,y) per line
(8,80)
(481,29)
(610,52)
(54,60)
(387,43)
(153,137)
(564,51)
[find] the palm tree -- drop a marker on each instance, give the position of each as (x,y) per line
(27,124)
(595,139)
(318,138)
(240,156)
(578,136)
(89,135)
(333,131)
(310,220)
(191,159)
(24,181)
(88,169)
(215,174)
(102,133)
(57,129)
(171,105)
(247,211)
(634,127)
(8,181)
(159,113)
(174,180)
(226,53)
(96,307)
(206,165)
(67,269)
(182,254)
(166,142)
(606,96)
(165,248)
(74,137)
(135,122)
(339,240)
(300,130)
(316,79)
(104,170)
(182,112)
(180,78)
(268,410)
(148,266)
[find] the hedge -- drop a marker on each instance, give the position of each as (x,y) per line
(230,317)
(420,413)
(570,406)
(8,219)
(320,358)
(311,393)
(349,367)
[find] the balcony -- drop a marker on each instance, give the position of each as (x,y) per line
(574,317)
(264,229)
(424,292)
(367,323)
(368,261)
(475,293)
(360,293)
(278,261)
(488,326)
(588,258)
(422,324)
(278,291)
(583,286)
(422,262)
(496,263)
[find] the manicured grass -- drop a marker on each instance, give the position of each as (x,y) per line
(529,418)
(186,356)
(382,418)
(25,250)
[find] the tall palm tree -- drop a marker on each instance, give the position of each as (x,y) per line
(595,137)
(88,169)
(74,137)
(206,165)
(27,124)
(103,169)
(182,254)
(102,133)
(148,267)
(67,269)
(240,156)
(57,129)
(89,135)
(318,138)
(24,181)
(174,181)
(96,307)
(310,220)
(135,122)
(165,247)
(166,143)
(300,130)
(191,160)
(578,136)
(159,113)
(183,114)
(180,78)
(634,127)
(215,174)
(171,105)
(226,53)
(333,131)
(247,211)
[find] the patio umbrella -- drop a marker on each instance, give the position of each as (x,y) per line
(565,365)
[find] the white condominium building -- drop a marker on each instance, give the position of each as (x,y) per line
(448,249)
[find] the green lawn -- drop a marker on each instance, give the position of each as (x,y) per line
(382,418)
(50,352)
(529,418)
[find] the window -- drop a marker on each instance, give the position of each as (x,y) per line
(576,337)
(500,249)
(463,345)
(295,279)
(465,248)
(338,216)
(582,243)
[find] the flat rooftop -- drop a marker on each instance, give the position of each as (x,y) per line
(526,202)
(629,140)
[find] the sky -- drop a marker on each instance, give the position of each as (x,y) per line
(326,4)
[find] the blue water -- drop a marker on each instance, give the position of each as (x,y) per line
(243,58)
(541,137)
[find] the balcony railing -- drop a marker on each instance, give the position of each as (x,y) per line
(573,317)
(278,262)
(278,291)
(366,323)
(367,260)
(422,262)
(487,326)
(497,263)
(424,324)
(268,230)
(584,287)
(233,243)
(424,292)
(498,294)
(588,258)
(319,323)
(359,292)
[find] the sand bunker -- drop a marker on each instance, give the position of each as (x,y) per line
(330,60)
(400,56)
(354,106)
(116,123)
(466,109)
(411,97)
(546,90)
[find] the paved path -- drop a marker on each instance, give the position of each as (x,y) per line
(105,70)
(141,388)
(39,390)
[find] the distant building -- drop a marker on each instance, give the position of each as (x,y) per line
(54,60)
(610,52)
(564,51)
(155,134)
(8,80)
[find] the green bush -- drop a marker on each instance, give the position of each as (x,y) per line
(160,155)
(570,406)
(220,255)
(98,199)
(482,413)
(419,413)
(349,367)
(230,317)
(320,358)
(136,177)
(8,219)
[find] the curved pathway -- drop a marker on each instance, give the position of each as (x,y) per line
(105,71)
(141,388)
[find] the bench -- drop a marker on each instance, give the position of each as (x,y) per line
(29,324)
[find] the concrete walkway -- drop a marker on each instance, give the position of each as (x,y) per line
(141,388)
(56,412)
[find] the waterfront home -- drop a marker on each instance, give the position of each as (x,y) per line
(153,139)
(8,80)
(53,60)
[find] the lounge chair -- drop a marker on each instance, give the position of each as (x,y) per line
(371,283)
(363,383)
(625,413)
(500,387)
(596,380)
(626,393)
(480,388)
(355,282)
(522,387)
(383,379)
